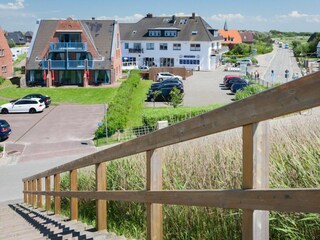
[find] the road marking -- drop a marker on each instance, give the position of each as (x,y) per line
(50,110)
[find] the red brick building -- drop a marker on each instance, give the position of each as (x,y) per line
(74,52)
(6,64)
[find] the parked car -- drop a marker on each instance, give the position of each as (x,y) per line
(176,81)
(163,92)
(238,86)
(144,68)
(248,62)
(229,76)
(231,81)
(46,99)
(165,75)
(23,105)
(5,129)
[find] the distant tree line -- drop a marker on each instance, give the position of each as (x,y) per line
(306,49)
(275,34)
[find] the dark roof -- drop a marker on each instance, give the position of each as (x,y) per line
(16,37)
(100,33)
(186,25)
(247,37)
(313,36)
(28,34)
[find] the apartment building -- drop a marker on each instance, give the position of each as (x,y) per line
(74,52)
(175,41)
(6,64)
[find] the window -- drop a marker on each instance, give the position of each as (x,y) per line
(166,62)
(194,32)
(154,33)
(189,61)
(150,46)
(1,52)
(195,47)
(126,45)
(4,69)
(176,46)
(70,37)
(170,33)
(163,46)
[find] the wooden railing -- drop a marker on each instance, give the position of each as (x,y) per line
(255,198)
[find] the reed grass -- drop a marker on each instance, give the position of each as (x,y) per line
(215,162)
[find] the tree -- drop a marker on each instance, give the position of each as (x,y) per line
(176,97)
(11,43)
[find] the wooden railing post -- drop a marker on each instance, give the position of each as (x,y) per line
(34,196)
(29,194)
(255,223)
(25,195)
(39,196)
(74,188)
(101,205)
(48,197)
(154,183)
(57,199)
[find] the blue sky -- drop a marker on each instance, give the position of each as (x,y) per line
(283,15)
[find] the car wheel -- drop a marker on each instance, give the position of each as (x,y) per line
(4,111)
(32,110)
(160,79)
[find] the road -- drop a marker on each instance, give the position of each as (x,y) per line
(281,61)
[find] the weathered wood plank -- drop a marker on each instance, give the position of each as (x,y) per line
(48,198)
(283,200)
(25,195)
(39,196)
(291,97)
(34,196)
(74,200)
(101,205)
(255,223)
(29,194)
(57,199)
(154,183)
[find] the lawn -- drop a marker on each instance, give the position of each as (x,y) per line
(66,95)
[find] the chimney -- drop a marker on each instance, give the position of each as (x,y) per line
(93,18)
(173,18)
(149,15)
(193,15)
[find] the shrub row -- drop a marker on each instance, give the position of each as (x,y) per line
(150,116)
(120,105)
(2,79)
(249,90)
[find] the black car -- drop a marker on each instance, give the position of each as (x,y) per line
(238,87)
(231,81)
(5,129)
(45,99)
(163,93)
(159,85)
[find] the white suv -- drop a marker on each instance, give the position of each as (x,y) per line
(23,105)
(165,75)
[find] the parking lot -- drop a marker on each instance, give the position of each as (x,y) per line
(58,129)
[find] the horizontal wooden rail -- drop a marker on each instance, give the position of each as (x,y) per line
(291,97)
(285,200)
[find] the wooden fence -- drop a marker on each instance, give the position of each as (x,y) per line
(255,198)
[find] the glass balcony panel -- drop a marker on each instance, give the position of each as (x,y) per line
(68,45)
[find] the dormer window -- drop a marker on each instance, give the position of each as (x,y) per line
(154,33)
(134,32)
(170,33)
(194,32)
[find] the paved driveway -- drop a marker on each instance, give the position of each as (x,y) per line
(59,130)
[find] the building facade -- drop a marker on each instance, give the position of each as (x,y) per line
(74,52)
(184,41)
(6,64)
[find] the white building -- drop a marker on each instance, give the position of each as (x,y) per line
(186,41)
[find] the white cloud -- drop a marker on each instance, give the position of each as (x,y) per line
(18,4)
(228,17)
(134,18)
(311,18)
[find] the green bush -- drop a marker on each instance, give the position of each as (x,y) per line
(150,116)
(120,105)
(249,90)
(2,79)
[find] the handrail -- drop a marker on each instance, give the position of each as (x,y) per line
(291,97)
(251,113)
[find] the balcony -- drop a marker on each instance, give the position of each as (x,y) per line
(66,64)
(70,46)
(135,50)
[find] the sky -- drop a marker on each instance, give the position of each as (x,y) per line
(282,15)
